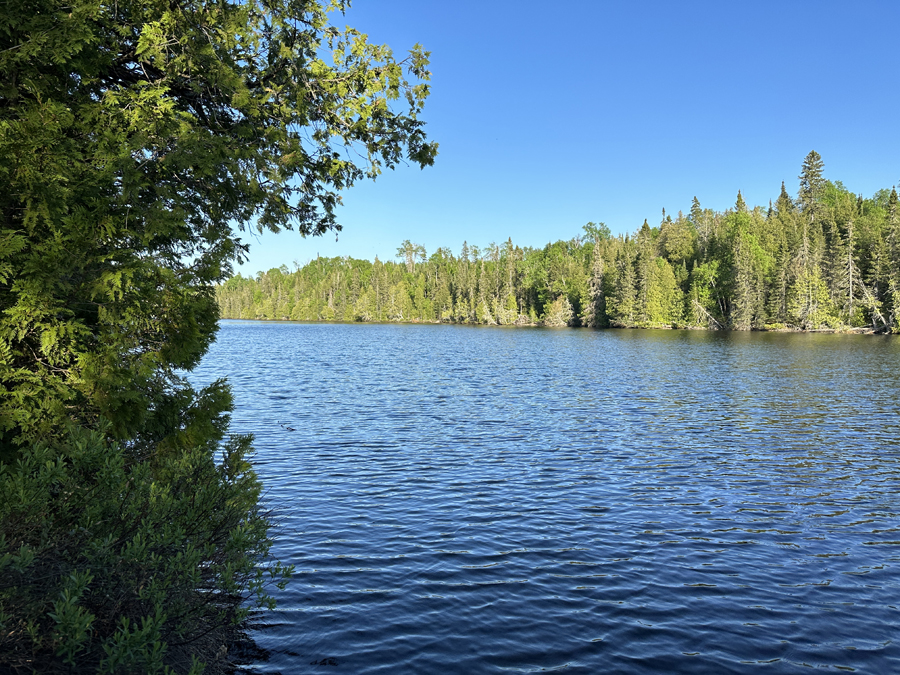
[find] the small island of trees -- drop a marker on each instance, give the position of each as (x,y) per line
(827,259)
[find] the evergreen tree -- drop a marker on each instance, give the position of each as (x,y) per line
(807,283)
(784,205)
(646,257)
(621,306)
(138,139)
(677,240)
(664,298)
(747,268)
(747,271)
(811,182)
(411,253)
(784,254)
(892,300)
(559,313)
(696,211)
(595,308)
(703,226)
(132,137)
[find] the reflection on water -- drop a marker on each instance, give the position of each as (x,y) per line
(473,500)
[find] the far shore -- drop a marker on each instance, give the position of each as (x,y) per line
(844,330)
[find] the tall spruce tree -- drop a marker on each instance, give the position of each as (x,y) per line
(808,287)
(811,182)
(783,271)
(622,306)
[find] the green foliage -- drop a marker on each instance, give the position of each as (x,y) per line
(812,181)
(594,313)
(559,313)
(677,240)
(829,259)
(483,313)
(704,309)
(596,232)
(665,300)
(133,135)
(116,566)
(138,139)
(622,303)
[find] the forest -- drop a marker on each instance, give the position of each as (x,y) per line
(825,259)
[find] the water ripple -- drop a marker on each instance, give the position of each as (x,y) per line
(465,500)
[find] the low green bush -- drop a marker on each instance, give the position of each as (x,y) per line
(109,565)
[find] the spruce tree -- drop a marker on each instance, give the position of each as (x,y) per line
(646,255)
(784,205)
(806,291)
(811,181)
(595,308)
(623,308)
(696,211)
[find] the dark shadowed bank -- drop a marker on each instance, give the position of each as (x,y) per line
(825,260)
(112,565)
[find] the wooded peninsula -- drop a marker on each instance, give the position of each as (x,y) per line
(827,259)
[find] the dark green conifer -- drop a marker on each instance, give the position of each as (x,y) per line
(784,204)
(811,180)
(696,211)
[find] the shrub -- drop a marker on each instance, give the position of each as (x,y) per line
(113,566)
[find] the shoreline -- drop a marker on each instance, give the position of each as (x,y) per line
(843,330)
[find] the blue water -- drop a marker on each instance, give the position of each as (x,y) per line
(486,500)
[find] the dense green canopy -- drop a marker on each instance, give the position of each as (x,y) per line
(137,138)
(827,260)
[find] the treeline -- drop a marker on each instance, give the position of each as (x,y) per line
(825,259)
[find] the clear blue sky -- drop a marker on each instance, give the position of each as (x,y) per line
(552,116)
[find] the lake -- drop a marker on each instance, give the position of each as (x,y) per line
(483,500)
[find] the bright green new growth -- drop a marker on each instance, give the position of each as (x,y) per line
(133,136)
(137,140)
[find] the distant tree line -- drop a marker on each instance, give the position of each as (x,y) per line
(825,259)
